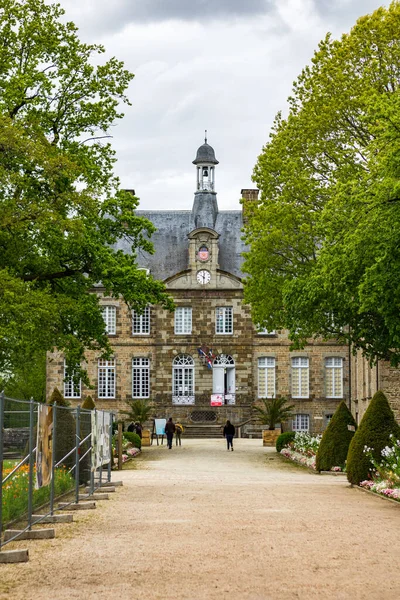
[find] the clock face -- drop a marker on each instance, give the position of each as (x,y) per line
(203,276)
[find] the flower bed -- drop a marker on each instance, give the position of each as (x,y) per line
(15,491)
(380,487)
(385,475)
(303,450)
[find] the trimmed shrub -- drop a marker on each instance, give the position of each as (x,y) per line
(335,442)
(66,429)
(133,438)
(284,440)
(374,432)
(88,403)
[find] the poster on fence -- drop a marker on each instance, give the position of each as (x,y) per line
(101,424)
(44,445)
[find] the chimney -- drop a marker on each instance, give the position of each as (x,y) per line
(249,202)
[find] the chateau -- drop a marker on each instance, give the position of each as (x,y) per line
(207,361)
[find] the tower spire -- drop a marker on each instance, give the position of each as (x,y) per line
(205,136)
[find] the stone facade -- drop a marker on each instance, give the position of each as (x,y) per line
(200,257)
(366,380)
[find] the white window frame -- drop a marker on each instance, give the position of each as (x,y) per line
(183,380)
(109,313)
(224,320)
(141,322)
(334,365)
(140,377)
(267,366)
(106,378)
(71,390)
(301,422)
(300,376)
(264,331)
(183,320)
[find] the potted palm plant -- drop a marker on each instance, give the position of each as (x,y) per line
(273,411)
(139,412)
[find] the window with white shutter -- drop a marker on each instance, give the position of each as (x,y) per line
(334,377)
(266,377)
(300,377)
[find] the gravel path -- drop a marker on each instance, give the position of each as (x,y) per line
(199,523)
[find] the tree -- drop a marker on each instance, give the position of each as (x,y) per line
(273,411)
(324,238)
(376,427)
(28,377)
(334,446)
(63,215)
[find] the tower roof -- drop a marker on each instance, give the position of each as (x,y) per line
(205,154)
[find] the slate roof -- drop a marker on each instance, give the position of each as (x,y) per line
(171,242)
(205,154)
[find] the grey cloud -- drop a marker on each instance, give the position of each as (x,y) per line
(186,10)
(345,12)
(107,16)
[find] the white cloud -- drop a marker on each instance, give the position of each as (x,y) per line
(200,71)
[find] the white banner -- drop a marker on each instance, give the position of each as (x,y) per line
(101,431)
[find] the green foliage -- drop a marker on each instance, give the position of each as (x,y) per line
(62,212)
(133,437)
(284,440)
(139,410)
(334,446)
(374,432)
(325,235)
(15,493)
(88,403)
(28,377)
(273,411)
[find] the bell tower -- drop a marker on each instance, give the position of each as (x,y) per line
(205,162)
(205,207)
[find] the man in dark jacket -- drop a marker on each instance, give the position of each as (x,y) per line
(229,432)
(169,432)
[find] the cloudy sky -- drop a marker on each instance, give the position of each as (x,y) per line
(222,65)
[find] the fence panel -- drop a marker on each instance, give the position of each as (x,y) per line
(45,452)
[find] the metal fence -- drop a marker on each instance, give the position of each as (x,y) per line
(47,451)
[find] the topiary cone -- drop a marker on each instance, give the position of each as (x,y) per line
(88,403)
(335,442)
(374,432)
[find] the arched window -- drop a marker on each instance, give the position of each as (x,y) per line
(224,378)
(183,379)
(223,359)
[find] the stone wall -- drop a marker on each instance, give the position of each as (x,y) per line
(16,438)
(245,346)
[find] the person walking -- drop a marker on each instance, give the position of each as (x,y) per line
(229,432)
(178,433)
(169,432)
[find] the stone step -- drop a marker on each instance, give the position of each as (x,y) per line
(93,497)
(80,506)
(13,556)
(33,534)
(105,489)
(52,518)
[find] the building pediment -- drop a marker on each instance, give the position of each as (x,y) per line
(188,280)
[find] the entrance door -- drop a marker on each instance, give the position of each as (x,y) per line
(224,378)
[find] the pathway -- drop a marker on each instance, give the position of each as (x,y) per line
(200,523)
